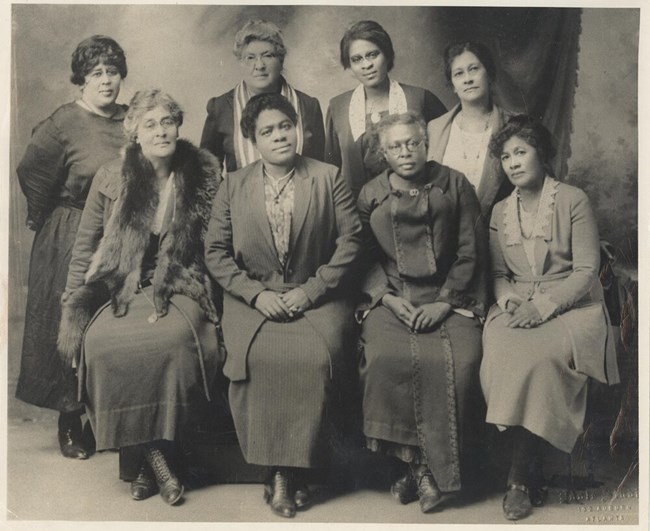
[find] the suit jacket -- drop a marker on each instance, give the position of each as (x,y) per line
(218,129)
(567,258)
(241,256)
(494,184)
(341,148)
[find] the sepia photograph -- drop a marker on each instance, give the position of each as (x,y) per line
(324,264)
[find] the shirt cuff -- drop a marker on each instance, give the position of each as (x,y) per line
(506,298)
(545,306)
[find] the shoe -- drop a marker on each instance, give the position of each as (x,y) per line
(427,489)
(278,493)
(516,503)
(171,490)
(538,496)
(144,486)
(88,438)
(302,495)
(70,437)
(404,488)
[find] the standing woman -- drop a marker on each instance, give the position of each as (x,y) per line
(260,50)
(150,354)
(282,242)
(460,138)
(425,291)
(549,331)
(55,174)
(367,50)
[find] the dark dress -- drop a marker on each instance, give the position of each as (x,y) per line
(421,391)
(55,174)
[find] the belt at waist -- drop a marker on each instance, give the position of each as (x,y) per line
(541,278)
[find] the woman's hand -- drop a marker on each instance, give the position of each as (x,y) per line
(296,301)
(428,316)
(524,316)
(512,305)
(270,305)
(402,308)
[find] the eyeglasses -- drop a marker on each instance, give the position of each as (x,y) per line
(166,123)
(411,146)
(370,56)
(251,59)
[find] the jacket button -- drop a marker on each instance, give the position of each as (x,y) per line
(542,290)
(290,271)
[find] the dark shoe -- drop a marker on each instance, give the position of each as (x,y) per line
(171,490)
(88,439)
(404,488)
(538,496)
(427,490)
(144,486)
(516,503)
(302,496)
(70,437)
(279,493)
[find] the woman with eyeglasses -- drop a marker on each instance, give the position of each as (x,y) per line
(55,175)
(460,138)
(367,51)
(425,247)
(260,49)
(138,310)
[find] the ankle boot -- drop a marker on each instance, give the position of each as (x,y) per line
(302,495)
(171,490)
(70,436)
(279,493)
(144,486)
(404,488)
(427,489)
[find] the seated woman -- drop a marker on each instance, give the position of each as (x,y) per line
(460,138)
(367,51)
(549,331)
(282,242)
(421,334)
(149,355)
(260,49)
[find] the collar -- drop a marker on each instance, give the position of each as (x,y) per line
(357,111)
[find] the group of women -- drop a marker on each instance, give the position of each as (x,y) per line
(312,249)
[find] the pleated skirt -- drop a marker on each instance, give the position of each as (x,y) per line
(144,381)
(282,411)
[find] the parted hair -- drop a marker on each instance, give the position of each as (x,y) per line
(407,118)
(532,132)
(367,30)
(144,101)
(264,102)
(259,30)
(92,51)
(481,52)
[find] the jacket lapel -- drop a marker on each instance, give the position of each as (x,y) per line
(257,204)
(302,200)
(492,176)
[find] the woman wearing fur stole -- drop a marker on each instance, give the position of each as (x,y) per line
(139,315)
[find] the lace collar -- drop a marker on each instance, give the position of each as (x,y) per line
(357,110)
(543,219)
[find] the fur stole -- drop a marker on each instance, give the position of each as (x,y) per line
(116,266)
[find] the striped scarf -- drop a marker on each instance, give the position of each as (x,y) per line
(245,151)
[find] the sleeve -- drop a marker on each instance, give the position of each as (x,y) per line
(375,282)
(433,107)
(501,273)
(330,276)
(211,138)
(42,171)
(332,145)
(585,252)
(89,233)
(315,121)
(220,254)
(466,282)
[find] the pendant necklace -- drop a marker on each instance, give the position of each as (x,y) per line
(482,145)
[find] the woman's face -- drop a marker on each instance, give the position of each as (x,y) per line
(368,63)
(262,67)
(405,149)
(275,137)
(522,163)
(469,77)
(102,86)
(157,134)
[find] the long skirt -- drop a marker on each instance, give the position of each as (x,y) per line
(282,412)
(528,380)
(144,381)
(423,389)
(45,380)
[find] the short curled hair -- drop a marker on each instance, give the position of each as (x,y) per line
(532,132)
(407,118)
(144,101)
(264,102)
(92,51)
(367,30)
(481,51)
(259,30)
